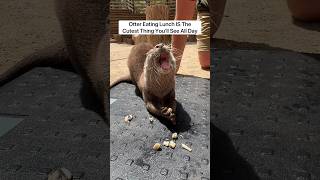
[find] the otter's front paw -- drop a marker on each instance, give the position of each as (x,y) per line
(169,114)
(166,111)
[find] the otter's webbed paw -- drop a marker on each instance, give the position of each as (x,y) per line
(168,113)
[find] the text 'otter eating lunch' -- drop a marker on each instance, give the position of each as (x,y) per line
(160,27)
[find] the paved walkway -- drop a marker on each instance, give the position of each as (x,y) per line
(189,66)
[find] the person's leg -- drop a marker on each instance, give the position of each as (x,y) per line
(216,8)
(203,39)
(184,11)
(204,58)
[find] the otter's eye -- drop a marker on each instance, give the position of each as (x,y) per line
(159,45)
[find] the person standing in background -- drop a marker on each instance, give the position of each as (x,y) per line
(203,39)
(210,15)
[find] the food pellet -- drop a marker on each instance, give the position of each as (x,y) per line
(174,135)
(128,118)
(157,146)
(166,143)
(186,147)
(172,144)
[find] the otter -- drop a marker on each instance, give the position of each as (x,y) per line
(85,48)
(152,70)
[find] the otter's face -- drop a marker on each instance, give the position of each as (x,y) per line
(161,59)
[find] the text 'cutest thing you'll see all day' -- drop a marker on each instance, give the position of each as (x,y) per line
(160,28)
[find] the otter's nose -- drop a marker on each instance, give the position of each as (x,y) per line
(159,45)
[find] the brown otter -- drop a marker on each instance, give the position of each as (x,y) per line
(152,70)
(85,48)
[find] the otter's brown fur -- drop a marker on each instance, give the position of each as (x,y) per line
(86,32)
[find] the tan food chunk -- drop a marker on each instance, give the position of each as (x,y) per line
(62,173)
(166,143)
(128,118)
(157,146)
(186,147)
(172,144)
(175,136)
(151,119)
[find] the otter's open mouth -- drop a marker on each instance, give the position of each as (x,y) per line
(164,61)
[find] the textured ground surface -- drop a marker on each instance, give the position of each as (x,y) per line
(265,112)
(267,24)
(132,156)
(56,131)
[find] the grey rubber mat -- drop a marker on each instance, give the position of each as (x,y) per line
(265,113)
(7,123)
(56,130)
(132,156)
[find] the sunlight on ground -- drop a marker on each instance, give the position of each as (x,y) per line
(189,65)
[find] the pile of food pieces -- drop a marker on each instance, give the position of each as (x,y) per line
(166,143)
(171,143)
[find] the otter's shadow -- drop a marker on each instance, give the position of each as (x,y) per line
(228,163)
(90,101)
(182,118)
(312,26)
(88,98)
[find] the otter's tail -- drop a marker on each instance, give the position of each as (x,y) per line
(55,56)
(125,78)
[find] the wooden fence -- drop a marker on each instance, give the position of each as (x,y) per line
(133,10)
